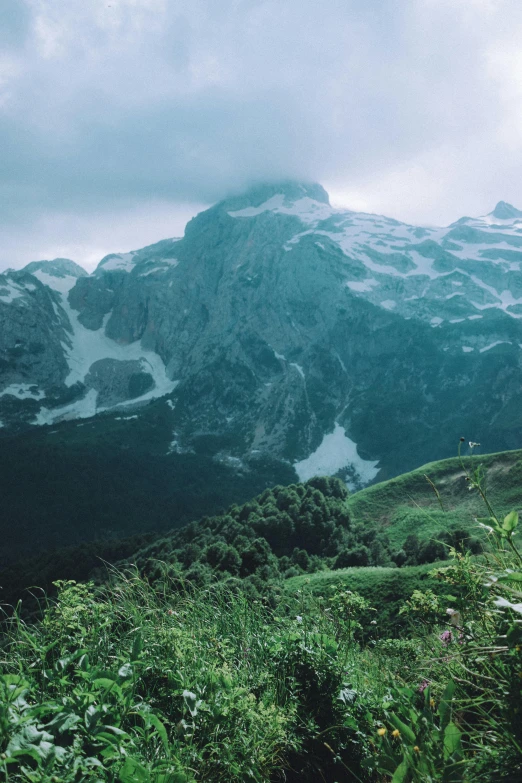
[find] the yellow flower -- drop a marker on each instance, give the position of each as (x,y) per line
(381,732)
(432,703)
(396,733)
(416,749)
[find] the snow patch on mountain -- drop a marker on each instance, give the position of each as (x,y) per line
(160,266)
(298,368)
(362,285)
(279,355)
(24,391)
(336,451)
(162,384)
(88,346)
(306,209)
(390,249)
(492,345)
(118,262)
(9,291)
(79,409)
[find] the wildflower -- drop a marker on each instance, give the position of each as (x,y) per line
(416,749)
(381,732)
(299,618)
(446,637)
(432,703)
(454,616)
(462,440)
(396,733)
(473,445)
(422,687)
(373,622)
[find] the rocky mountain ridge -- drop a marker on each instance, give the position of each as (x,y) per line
(340,342)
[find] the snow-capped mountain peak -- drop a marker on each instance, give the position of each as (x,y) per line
(58,267)
(279,325)
(505,211)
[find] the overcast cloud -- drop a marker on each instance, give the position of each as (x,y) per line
(119,119)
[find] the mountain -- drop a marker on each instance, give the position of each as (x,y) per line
(278,327)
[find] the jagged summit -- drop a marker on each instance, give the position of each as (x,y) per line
(280,325)
(291,192)
(58,267)
(505,211)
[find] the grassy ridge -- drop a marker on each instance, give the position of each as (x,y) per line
(386,589)
(295,530)
(408,505)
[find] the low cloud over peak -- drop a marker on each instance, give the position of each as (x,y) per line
(116,108)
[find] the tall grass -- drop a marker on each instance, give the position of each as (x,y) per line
(166,683)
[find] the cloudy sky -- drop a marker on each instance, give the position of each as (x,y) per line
(120,119)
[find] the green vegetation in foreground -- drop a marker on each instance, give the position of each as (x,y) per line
(250,678)
(132,684)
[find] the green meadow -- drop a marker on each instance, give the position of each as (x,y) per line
(242,648)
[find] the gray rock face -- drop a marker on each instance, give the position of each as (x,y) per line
(32,331)
(342,342)
(505,211)
(118,381)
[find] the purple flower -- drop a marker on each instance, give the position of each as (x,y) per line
(422,687)
(446,637)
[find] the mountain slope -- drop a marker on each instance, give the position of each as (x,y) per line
(332,341)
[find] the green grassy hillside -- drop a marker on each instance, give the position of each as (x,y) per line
(408,504)
(239,648)
(385,588)
(313,532)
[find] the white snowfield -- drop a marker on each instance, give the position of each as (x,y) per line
(160,266)
(361,236)
(336,452)
(122,262)
(9,291)
(24,391)
(306,209)
(88,346)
